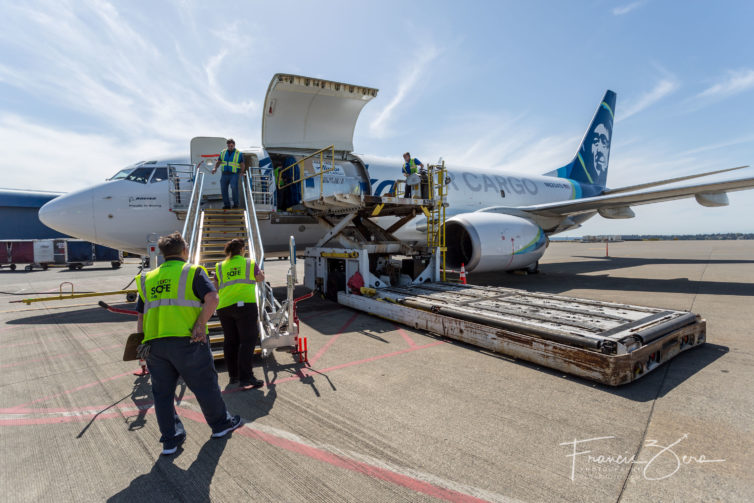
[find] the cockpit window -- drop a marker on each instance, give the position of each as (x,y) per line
(160,174)
(122,174)
(140,175)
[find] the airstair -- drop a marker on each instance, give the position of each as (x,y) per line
(206,231)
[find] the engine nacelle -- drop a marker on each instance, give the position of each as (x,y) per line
(485,241)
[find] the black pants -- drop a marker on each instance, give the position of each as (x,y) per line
(241,335)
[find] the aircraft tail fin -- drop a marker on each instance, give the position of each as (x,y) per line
(589,165)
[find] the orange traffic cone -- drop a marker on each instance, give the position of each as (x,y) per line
(463,274)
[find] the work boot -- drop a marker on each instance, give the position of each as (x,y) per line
(251,383)
(171,447)
(235,423)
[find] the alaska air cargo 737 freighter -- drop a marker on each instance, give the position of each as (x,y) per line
(497,220)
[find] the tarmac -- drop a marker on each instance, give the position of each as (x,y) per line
(387,413)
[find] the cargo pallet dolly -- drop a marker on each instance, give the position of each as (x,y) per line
(602,341)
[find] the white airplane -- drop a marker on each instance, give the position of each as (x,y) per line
(498,220)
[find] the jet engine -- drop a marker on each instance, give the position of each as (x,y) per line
(485,241)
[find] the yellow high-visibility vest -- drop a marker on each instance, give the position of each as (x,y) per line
(236,281)
(170,306)
(234,163)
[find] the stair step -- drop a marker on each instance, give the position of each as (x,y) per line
(218,354)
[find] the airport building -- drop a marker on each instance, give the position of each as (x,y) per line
(19,217)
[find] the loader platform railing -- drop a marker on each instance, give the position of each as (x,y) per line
(301,178)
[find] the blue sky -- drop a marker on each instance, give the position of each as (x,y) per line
(89,86)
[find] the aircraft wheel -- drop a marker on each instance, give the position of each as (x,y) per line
(533,268)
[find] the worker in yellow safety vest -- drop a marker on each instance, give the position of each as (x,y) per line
(175,302)
(233,165)
(410,167)
(236,278)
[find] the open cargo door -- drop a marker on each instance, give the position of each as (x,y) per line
(308,113)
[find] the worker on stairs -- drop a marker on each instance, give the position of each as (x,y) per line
(232,162)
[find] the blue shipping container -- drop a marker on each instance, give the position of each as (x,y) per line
(80,251)
(105,253)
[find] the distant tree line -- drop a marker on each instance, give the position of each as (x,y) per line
(691,237)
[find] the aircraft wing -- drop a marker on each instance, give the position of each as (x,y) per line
(618,205)
(632,188)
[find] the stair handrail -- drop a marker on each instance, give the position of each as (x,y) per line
(192,214)
(254,237)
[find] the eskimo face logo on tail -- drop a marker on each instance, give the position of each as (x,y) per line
(600,148)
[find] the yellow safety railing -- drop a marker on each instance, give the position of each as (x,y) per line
(399,188)
(320,174)
(438,191)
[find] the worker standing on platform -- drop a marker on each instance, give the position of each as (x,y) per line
(233,163)
(175,302)
(410,167)
(236,279)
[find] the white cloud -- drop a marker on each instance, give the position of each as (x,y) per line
(98,70)
(735,82)
(663,88)
(65,160)
(380,126)
(625,9)
(724,144)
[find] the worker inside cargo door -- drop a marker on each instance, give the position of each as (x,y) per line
(280,193)
(293,175)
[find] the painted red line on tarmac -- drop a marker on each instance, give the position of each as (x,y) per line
(55,357)
(118,412)
(359,467)
(342,462)
(357,362)
(22,408)
(289,445)
(306,317)
(26,421)
(69,391)
(405,335)
(14,328)
(334,338)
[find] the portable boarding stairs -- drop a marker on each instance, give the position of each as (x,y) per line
(206,231)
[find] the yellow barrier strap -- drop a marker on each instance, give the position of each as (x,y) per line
(378,209)
(339,254)
(72,296)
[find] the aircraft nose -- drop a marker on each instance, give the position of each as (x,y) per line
(71,214)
